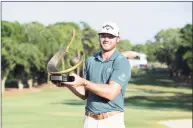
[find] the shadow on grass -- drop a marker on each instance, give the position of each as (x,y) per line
(149,91)
(179,101)
(157,77)
(71,102)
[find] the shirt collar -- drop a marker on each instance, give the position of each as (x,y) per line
(113,57)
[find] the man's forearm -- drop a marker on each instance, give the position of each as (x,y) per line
(79,91)
(107,91)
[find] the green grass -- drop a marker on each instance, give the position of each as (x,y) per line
(145,106)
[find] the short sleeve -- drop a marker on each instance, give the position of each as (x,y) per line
(85,73)
(121,71)
(87,66)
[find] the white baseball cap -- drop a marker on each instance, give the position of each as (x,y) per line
(110,28)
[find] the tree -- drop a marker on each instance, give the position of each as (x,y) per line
(139,48)
(89,39)
(187,44)
(169,42)
(11,33)
(124,45)
(175,48)
(14,54)
(17,53)
(8,51)
(151,49)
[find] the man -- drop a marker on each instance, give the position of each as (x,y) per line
(106,77)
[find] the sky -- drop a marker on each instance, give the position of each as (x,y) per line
(137,21)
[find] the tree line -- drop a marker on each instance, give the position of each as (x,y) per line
(27,48)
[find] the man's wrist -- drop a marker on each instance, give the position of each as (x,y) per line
(85,82)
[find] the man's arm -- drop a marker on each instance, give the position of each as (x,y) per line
(129,54)
(107,91)
(79,91)
(80,85)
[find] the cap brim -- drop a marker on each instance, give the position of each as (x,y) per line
(106,33)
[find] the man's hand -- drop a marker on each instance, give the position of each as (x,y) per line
(78,81)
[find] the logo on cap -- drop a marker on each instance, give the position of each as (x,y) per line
(108,27)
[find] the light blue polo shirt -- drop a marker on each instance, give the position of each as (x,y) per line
(116,68)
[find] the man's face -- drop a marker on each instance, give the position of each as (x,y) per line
(108,41)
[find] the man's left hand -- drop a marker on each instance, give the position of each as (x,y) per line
(78,81)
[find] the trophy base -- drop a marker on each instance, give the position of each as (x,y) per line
(61,78)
